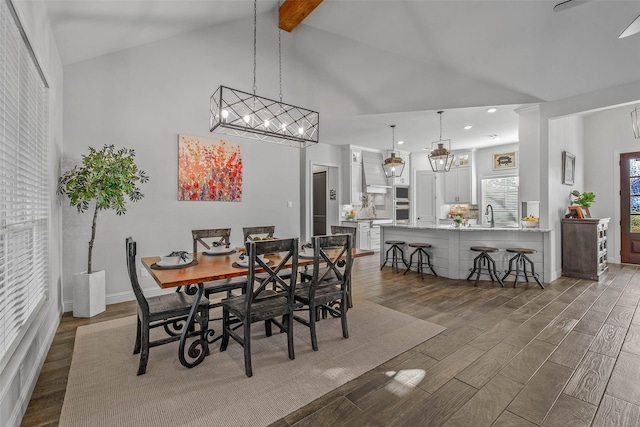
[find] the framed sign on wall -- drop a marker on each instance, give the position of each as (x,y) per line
(505,161)
(568,168)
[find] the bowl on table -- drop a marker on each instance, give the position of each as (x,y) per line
(530,224)
(167,261)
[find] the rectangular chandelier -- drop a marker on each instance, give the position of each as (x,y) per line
(238,113)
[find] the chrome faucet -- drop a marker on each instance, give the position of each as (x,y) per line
(491,221)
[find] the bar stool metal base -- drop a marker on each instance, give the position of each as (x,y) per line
(522,260)
(420,250)
(394,249)
(484,260)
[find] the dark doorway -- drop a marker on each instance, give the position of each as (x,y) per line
(630,208)
(319,203)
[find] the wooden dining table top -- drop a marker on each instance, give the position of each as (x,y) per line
(216,267)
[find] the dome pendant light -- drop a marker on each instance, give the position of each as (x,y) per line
(440,157)
(393,166)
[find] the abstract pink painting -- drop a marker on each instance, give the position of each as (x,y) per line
(209,169)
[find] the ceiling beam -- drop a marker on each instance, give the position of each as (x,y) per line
(293,12)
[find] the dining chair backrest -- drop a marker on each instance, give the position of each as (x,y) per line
(341,229)
(278,274)
(252,231)
(133,276)
(220,235)
(332,260)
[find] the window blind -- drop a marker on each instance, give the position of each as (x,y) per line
(24,196)
(502,195)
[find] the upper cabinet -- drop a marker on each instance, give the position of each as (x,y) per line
(352,175)
(462,159)
(405,178)
(457,186)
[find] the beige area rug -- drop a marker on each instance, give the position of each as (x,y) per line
(103,389)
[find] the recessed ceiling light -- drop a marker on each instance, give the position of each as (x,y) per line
(467,127)
(400,142)
(492,110)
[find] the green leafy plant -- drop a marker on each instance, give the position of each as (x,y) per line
(583,199)
(103,180)
(457,218)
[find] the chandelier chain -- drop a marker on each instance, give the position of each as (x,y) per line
(255,38)
(280,55)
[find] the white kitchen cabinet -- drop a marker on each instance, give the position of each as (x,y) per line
(356,183)
(457,186)
(374,238)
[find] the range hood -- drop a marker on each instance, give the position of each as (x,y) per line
(375,181)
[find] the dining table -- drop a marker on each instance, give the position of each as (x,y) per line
(207,267)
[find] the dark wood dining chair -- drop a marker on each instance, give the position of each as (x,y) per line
(169,311)
(260,304)
(341,229)
(222,236)
(252,231)
(329,285)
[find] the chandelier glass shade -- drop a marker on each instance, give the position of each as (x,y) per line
(441,157)
(635,123)
(393,165)
(238,113)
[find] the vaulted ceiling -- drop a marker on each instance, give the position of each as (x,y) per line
(383,62)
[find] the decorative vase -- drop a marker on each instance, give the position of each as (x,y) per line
(89,294)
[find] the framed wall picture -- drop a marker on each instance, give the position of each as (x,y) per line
(505,161)
(568,168)
(576,212)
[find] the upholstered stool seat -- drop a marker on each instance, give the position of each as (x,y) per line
(522,260)
(396,247)
(484,260)
(422,254)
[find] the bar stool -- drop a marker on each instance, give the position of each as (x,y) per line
(394,249)
(420,250)
(522,260)
(484,259)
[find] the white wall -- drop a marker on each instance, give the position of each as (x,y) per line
(607,134)
(32,350)
(142,98)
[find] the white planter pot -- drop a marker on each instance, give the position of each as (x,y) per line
(89,294)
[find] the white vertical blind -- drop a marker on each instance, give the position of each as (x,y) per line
(24,198)
(502,195)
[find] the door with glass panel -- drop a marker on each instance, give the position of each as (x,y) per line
(630,207)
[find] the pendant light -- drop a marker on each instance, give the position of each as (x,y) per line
(238,113)
(440,157)
(635,123)
(393,166)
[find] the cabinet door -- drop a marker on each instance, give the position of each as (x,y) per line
(356,183)
(464,185)
(451,186)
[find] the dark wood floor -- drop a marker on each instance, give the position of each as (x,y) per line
(568,355)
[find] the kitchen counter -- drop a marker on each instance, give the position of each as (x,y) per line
(450,252)
(450,227)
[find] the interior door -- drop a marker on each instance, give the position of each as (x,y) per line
(630,207)
(425,198)
(320,203)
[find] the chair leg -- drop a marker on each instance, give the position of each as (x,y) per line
(247,349)
(224,342)
(144,353)
(136,347)
(267,327)
(493,272)
(292,354)
(343,317)
(533,271)
(430,265)
(410,262)
(204,328)
(313,317)
(386,258)
(508,272)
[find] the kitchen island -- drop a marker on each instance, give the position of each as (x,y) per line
(450,254)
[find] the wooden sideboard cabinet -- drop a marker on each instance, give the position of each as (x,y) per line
(584,247)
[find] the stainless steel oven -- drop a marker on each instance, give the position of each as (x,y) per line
(401,211)
(401,193)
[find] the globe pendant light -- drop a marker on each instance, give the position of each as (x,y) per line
(393,166)
(440,157)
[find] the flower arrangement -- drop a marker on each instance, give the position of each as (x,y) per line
(458,219)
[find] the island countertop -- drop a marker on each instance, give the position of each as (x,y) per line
(449,227)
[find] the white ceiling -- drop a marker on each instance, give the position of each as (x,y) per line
(460,56)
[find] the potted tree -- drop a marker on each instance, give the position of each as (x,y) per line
(101,182)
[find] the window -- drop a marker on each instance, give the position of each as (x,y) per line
(24,195)
(502,195)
